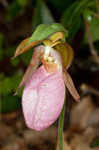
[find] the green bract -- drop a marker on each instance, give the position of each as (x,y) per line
(45,30)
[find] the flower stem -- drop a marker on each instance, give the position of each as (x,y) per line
(60,128)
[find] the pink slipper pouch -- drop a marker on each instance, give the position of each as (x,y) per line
(43,98)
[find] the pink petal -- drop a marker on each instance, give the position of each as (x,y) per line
(43,99)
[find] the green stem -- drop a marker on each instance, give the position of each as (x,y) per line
(60,128)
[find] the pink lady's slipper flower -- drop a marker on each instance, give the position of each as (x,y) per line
(44,91)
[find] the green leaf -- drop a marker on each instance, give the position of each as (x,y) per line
(71,18)
(71,22)
(73,29)
(66,18)
(45,30)
(60,128)
(46,15)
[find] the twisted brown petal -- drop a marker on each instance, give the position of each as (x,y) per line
(34,63)
(70,85)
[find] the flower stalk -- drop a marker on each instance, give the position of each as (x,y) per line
(60,128)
